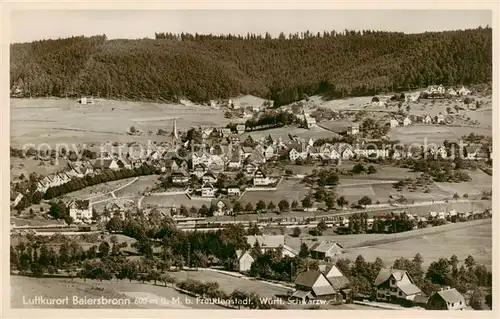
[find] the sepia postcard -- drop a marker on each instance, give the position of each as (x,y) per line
(225,160)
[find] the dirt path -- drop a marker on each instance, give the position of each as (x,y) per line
(112,193)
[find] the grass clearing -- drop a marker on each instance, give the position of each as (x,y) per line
(288,189)
(29,288)
(66,121)
(462,239)
(229,283)
(26,166)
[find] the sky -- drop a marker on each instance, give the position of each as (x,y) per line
(133,24)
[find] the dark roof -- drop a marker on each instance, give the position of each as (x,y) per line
(307,278)
(323,290)
(339,282)
(103,163)
(80,204)
(385,273)
(420,298)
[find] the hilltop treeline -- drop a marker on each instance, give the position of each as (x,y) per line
(283,69)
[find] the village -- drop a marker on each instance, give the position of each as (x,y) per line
(253,174)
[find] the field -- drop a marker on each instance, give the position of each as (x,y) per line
(464,122)
(229,283)
(98,192)
(462,239)
(61,288)
(427,134)
(288,189)
(142,184)
(26,166)
(54,121)
(174,200)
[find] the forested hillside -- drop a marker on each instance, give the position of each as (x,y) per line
(203,67)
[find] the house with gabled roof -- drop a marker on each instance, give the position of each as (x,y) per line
(80,210)
(240,128)
(464,91)
(427,119)
(271,243)
(180,177)
(261,178)
(311,285)
(446,299)
(200,169)
(297,151)
(222,207)
(257,156)
(395,285)
(124,164)
(225,132)
(207,190)
(209,177)
(325,249)
(106,164)
(337,278)
(245,260)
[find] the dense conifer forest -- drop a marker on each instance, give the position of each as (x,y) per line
(204,67)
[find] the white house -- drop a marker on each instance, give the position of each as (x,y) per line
(427,119)
(394,123)
(440,118)
(240,128)
(180,177)
(464,91)
(269,152)
(260,178)
(223,207)
(80,210)
(353,129)
(271,243)
(207,190)
(446,299)
(233,191)
(406,121)
(245,260)
(347,152)
(393,284)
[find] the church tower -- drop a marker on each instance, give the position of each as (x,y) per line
(174,130)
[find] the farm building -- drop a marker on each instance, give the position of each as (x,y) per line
(312,284)
(86,100)
(446,299)
(325,249)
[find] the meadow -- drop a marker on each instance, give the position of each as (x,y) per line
(54,121)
